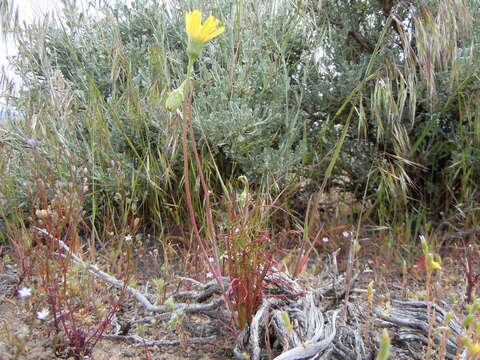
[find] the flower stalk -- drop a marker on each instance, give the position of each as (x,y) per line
(198,35)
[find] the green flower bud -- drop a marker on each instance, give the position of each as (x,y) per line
(469,319)
(424,245)
(174,100)
(384,351)
(194,49)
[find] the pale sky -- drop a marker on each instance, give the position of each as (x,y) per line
(28,11)
(35,10)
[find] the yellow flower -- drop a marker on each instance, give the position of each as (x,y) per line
(436,265)
(432,264)
(198,33)
(474,349)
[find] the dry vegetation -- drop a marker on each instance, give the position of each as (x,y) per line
(312,195)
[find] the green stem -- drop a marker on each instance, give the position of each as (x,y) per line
(189,74)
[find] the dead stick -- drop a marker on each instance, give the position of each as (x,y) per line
(95,271)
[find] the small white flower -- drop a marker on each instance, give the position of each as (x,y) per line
(237,230)
(42,315)
(346,234)
(210,259)
(325,239)
(25,292)
(128,238)
(209,275)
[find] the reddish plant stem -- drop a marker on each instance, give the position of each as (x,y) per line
(472,278)
(208,208)
(215,265)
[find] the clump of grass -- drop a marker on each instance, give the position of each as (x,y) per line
(248,255)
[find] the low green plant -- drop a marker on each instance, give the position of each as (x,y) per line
(471,338)
(160,289)
(384,350)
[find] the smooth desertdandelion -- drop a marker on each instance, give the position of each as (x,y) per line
(198,33)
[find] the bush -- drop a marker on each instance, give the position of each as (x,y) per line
(343,95)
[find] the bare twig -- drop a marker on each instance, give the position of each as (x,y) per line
(141,298)
(140,341)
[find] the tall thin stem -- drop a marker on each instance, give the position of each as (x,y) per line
(187,124)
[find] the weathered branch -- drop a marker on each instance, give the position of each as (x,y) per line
(140,341)
(141,298)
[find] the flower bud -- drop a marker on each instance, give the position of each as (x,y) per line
(42,214)
(174,100)
(194,49)
(384,351)
(370,291)
(424,245)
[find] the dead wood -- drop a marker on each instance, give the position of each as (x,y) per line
(410,323)
(314,329)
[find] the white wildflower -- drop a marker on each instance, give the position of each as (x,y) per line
(25,292)
(325,239)
(42,315)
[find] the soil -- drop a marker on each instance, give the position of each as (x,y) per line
(23,337)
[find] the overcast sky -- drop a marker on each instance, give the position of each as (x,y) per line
(28,11)
(35,10)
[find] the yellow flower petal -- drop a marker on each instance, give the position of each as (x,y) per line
(215,33)
(193,22)
(475,349)
(209,27)
(198,32)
